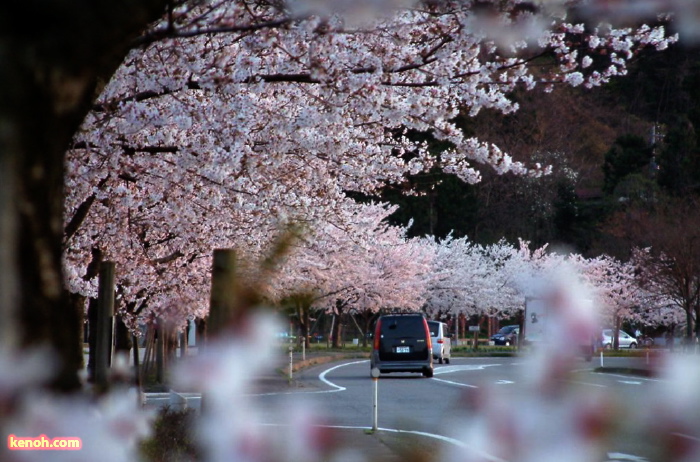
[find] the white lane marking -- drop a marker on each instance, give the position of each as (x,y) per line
(504,382)
(454,383)
(644,379)
(578,382)
(615,456)
(630,382)
(446,439)
(471,367)
(682,435)
(452,369)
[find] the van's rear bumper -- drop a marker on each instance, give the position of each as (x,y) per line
(401,366)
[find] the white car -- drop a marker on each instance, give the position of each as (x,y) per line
(442,344)
(624,339)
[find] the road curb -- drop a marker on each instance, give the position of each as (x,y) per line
(314,361)
(626,370)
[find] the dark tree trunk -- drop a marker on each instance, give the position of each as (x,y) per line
(368,317)
(304,321)
(92,338)
(200,332)
(48,79)
(338,326)
(122,336)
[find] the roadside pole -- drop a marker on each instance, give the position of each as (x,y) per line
(475,330)
(291,361)
(375,398)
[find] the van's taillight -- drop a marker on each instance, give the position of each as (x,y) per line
(440,340)
(377,334)
(427,334)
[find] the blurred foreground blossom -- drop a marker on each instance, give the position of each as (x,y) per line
(534,427)
(552,420)
(675,414)
(231,427)
(109,429)
(224,370)
(20,370)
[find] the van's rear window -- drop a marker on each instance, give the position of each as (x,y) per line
(406,326)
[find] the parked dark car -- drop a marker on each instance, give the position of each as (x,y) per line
(402,344)
(507,335)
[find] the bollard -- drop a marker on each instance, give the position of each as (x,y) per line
(303,350)
(601,358)
(291,362)
(375,398)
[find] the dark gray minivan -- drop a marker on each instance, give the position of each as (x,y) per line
(402,344)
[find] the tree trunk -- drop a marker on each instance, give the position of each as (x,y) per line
(368,317)
(92,338)
(122,336)
(337,327)
(688,341)
(48,79)
(304,321)
(200,333)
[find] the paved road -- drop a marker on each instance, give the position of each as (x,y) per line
(437,407)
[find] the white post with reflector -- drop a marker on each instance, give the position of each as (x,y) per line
(375,398)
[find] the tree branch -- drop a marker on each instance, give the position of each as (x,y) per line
(168,32)
(81,213)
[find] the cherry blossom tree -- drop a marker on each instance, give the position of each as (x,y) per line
(614,289)
(671,282)
(136,183)
(481,280)
(361,267)
(496,280)
(232,118)
(219,93)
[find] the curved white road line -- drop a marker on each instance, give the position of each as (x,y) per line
(322,376)
(446,439)
(338,388)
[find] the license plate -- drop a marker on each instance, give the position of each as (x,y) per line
(403,349)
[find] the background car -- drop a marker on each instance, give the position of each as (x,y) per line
(625,340)
(285,337)
(442,343)
(507,335)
